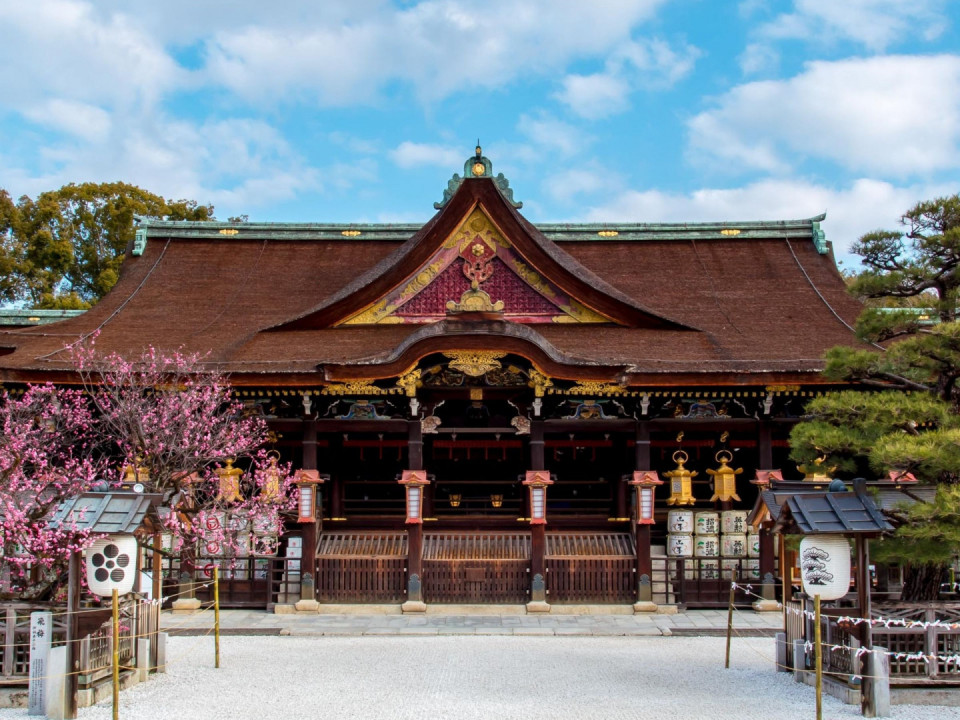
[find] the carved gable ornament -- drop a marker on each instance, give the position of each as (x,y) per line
(476,270)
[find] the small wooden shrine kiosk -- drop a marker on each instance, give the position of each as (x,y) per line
(476,349)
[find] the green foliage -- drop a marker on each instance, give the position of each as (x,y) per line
(929,533)
(77,234)
(913,425)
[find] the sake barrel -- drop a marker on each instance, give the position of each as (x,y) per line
(680,522)
(734,545)
(733,521)
(751,569)
(728,566)
(707,546)
(753,546)
(679,546)
(707,523)
(709,569)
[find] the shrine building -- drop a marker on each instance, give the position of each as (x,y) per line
(498,411)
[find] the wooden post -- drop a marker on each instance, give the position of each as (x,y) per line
(817,655)
(644,561)
(73,608)
(415,445)
(116,654)
(216,615)
(308,554)
(733,585)
(867,690)
(537,454)
(764,444)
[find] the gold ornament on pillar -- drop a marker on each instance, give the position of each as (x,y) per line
(724,478)
(681,481)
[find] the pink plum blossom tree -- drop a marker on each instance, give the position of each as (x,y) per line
(48,452)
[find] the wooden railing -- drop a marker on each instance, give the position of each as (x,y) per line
(139,618)
(929,641)
(698,583)
(15,636)
(591,579)
(343,579)
(476,581)
(925,654)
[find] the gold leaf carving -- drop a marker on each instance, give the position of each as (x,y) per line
(475,363)
(356,387)
(592,387)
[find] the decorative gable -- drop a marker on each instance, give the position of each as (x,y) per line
(476,270)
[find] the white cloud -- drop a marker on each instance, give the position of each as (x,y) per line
(564,185)
(638,64)
(84,121)
(237,165)
(896,115)
(410,154)
(66,50)
(437,46)
(550,134)
(594,96)
(758,58)
(875,24)
(863,206)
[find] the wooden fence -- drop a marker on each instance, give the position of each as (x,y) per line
(360,579)
(702,582)
(15,634)
(923,655)
(476,581)
(139,618)
(361,567)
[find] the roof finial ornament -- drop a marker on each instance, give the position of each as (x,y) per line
(478,166)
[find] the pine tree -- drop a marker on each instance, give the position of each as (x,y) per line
(912,422)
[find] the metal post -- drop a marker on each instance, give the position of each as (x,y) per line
(216,614)
(733,585)
(818,655)
(116,655)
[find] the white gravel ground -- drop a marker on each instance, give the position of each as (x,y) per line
(475,678)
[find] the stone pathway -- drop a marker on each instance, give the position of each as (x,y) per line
(474,620)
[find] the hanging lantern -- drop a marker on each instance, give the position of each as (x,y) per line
(307,481)
(271,486)
(724,478)
(455,500)
(112,565)
(681,492)
(538,481)
(496,501)
(825,566)
(229,483)
(645,481)
(414,481)
(135,474)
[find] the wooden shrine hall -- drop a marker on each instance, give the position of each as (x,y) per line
(498,412)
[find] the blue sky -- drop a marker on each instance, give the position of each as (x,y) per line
(610,110)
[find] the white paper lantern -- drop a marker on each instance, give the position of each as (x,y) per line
(825,566)
(112,564)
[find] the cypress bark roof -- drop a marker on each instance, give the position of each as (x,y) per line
(728,303)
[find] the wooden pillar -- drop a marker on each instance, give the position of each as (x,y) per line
(414,481)
(764,444)
(867,688)
(308,554)
(767,562)
(70,684)
(537,454)
(644,561)
(414,445)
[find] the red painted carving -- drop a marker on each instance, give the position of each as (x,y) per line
(501,284)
